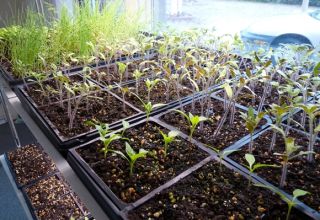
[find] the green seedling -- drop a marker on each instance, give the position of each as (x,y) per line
(132,156)
(312,110)
(122,68)
(104,130)
(168,138)
(193,121)
(290,202)
(252,121)
(150,84)
(137,75)
(125,126)
(252,166)
(148,107)
(291,151)
(279,112)
(221,154)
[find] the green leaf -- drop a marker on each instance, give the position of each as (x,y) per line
(228,90)
(299,192)
(157,105)
(316,69)
(250,159)
(173,133)
(125,124)
(317,129)
(260,165)
(129,150)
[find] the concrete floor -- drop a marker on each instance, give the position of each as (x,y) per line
(226,16)
(6,139)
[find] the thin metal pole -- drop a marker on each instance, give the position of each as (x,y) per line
(5,102)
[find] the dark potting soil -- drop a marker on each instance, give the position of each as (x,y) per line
(301,173)
(61,209)
(150,172)
(46,190)
(228,135)
(37,95)
(211,193)
(157,95)
(7,66)
(30,163)
(107,110)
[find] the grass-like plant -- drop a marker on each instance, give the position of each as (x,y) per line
(167,139)
(193,121)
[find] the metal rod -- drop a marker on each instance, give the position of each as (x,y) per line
(5,102)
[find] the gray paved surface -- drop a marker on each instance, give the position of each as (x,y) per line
(227,16)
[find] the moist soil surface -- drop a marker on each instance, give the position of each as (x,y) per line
(228,135)
(61,209)
(46,190)
(150,172)
(107,110)
(301,173)
(211,193)
(30,163)
(157,95)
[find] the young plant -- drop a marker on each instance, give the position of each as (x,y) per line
(291,152)
(222,154)
(279,112)
(137,75)
(132,156)
(252,166)
(193,121)
(312,110)
(104,130)
(252,121)
(150,84)
(75,95)
(125,126)
(148,107)
(168,138)
(290,202)
(39,78)
(124,90)
(121,70)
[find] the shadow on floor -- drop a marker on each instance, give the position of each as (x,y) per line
(7,142)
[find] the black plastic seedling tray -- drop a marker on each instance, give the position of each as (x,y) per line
(70,193)
(300,206)
(11,168)
(107,199)
(12,81)
(60,142)
(112,205)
